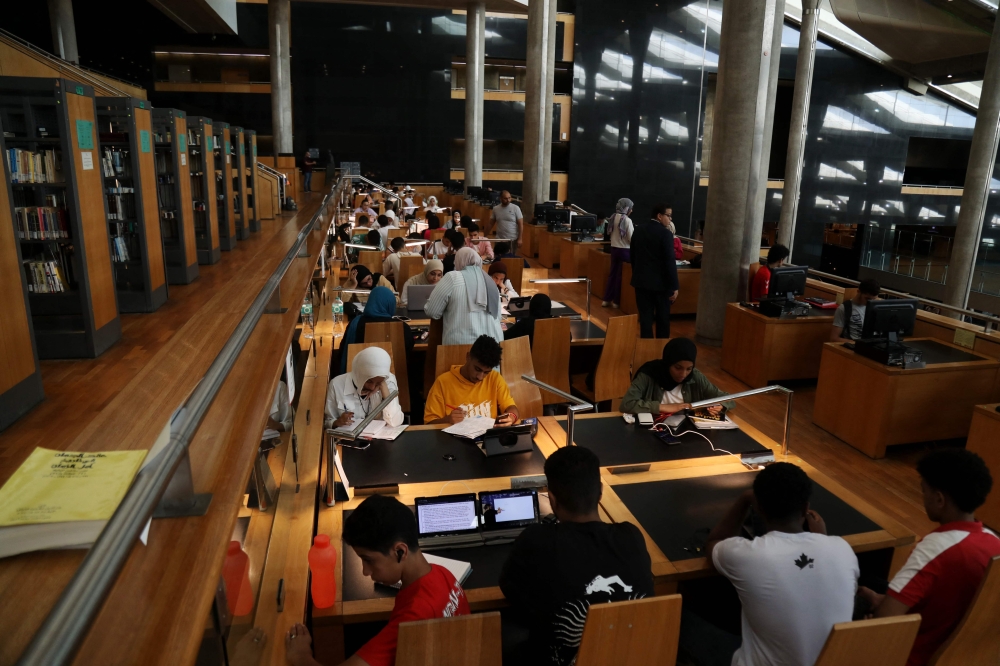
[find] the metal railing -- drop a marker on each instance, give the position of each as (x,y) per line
(579,405)
(388,193)
(786,433)
(281,178)
(166,478)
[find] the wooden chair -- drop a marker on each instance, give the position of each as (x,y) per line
(447,356)
(612,377)
(976,639)
(464,232)
(884,641)
(516,361)
(370,259)
(355,347)
(396,233)
(408,267)
(392,332)
(550,356)
(632,633)
(466,640)
(647,349)
(437,234)
(434,337)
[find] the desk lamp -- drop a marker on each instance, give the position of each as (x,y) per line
(746,394)
(579,405)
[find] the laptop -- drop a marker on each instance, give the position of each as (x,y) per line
(417,295)
(463,521)
(505,513)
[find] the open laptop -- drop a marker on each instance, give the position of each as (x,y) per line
(463,521)
(417,295)
(505,513)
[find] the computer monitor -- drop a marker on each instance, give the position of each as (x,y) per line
(557,216)
(890,319)
(583,223)
(787,282)
(540,209)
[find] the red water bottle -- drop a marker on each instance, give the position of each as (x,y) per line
(236,573)
(323,566)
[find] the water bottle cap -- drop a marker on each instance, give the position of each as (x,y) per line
(322,540)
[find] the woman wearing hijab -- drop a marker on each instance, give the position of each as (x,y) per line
(671,384)
(433,272)
(621,240)
(467,300)
(351,396)
(381,306)
(360,277)
(539,307)
(498,271)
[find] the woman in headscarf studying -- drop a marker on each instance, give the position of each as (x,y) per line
(361,277)
(351,396)
(381,306)
(467,300)
(433,272)
(621,240)
(671,384)
(539,307)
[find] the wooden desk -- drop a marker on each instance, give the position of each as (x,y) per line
(757,349)
(688,285)
(827,291)
(529,239)
(573,257)
(598,268)
(872,406)
(984,439)
(549,246)
(964,334)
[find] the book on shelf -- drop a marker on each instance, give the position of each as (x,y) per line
(114,163)
(44,277)
(41,222)
(26,166)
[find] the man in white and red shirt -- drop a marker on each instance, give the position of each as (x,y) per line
(943,573)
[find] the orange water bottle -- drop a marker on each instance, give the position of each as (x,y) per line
(236,573)
(323,566)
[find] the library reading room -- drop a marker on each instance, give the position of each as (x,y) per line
(271,277)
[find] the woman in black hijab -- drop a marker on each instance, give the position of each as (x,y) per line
(671,384)
(539,307)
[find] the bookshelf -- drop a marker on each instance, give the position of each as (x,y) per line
(53,164)
(253,214)
(201,164)
(20,374)
(225,198)
(125,131)
(240,182)
(173,189)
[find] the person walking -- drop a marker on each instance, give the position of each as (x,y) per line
(654,272)
(507,219)
(307,171)
(621,240)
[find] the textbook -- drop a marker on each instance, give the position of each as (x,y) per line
(63,499)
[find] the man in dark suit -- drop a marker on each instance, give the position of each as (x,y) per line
(654,272)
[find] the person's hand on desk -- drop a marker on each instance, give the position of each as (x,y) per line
(506,419)
(674,408)
(345,419)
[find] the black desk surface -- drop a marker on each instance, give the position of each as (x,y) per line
(936,352)
(417,456)
(618,443)
(584,329)
(678,514)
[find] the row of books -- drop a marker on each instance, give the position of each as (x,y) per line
(114,163)
(44,277)
(41,223)
(121,203)
(26,166)
(119,249)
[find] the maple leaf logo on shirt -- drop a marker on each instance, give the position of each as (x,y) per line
(802,562)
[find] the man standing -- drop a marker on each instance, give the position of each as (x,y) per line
(654,272)
(307,171)
(507,219)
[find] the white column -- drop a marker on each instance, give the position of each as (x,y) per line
(279,18)
(475,53)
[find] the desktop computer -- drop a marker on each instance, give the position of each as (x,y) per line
(557,219)
(886,322)
(583,227)
(786,283)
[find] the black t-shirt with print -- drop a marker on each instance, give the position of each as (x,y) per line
(556,571)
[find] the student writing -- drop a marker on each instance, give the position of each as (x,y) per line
(353,395)
(472,389)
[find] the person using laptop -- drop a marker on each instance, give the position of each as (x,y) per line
(556,571)
(353,395)
(433,272)
(397,249)
(474,388)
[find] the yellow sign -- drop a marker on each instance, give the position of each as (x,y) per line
(965,338)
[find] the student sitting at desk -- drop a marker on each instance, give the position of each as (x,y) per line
(433,272)
(383,533)
(381,307)
(762,279)
(390,265)
(498,271)
(352,395)
(556,571)
(943,573)
(671,384)
(794,584)
(849,318)
(484,248)
(360,277)
(467,300)
(374,238)
(539,307)
(456,241)
(472,389)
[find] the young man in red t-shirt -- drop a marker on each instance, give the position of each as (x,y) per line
(383,532)
(762,278)
(943,573)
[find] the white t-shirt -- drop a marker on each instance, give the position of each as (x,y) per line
(673,397)
(794,588)
(506,218)
(857,319)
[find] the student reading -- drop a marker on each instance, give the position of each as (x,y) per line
(944,571)
(556,571)
(472,389)
(354,394)
(671,384)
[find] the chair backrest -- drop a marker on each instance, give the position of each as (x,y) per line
(550,356)
(515,271)
(632,633)
(355,347)
(884,641)
(464,232)
(434,337)
(371,259)
(393,333)
(516,361)
(408,267)
(437,234)
(396,233)
(449,355)
(612,378)
(976,639)
(647,349)
(466,640)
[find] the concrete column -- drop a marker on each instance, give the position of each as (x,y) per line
(804,67)
(279,19)
(475,52)
(63,30)
(982,156)
(545,169)
(738,172)
(537,76)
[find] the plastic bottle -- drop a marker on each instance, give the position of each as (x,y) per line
(323,566)
(338,310)
(236,573)
(307,318)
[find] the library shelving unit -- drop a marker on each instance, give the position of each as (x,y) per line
(173,188)
(20,374)
(125,131)
(240,182)
(60,216)
(225,198)
(201,163)
(253,214)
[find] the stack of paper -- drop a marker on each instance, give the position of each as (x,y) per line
(471,427)
(380,430)
(713,424)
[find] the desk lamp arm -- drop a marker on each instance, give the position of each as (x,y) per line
(746,394)
(349,435)
(579,405)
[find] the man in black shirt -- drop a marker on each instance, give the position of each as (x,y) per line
(557,570)
(654,272)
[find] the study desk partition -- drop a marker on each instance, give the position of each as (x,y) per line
(688,285)
(573,256)
(872,406)
(549,244)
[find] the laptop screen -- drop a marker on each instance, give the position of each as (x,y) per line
(507,509)
(417,295)
(447,515)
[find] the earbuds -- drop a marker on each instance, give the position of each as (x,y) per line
(399,555)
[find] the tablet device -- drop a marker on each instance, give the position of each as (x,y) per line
(447,515)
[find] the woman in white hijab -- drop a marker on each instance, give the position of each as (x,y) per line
(467,300)
(351,396)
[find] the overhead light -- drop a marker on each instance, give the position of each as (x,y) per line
(949,76)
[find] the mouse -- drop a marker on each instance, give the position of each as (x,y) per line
(448,456)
